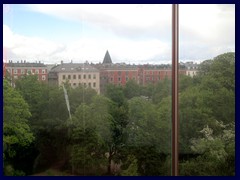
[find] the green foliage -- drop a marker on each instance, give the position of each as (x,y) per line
(142,128)
(17,134)
(132,89)
(214,153)
(132,169)
(33,93)
(91,134)
(10,171)
(130,125)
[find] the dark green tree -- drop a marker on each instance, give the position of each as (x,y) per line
(17,135)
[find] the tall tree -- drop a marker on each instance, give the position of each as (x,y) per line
(17,134)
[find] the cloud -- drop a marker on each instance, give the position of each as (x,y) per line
(206,30)
(129,20)
(32,48)
(85,48)
(131,33)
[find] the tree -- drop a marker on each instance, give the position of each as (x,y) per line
(147,137)
(91,135)
(33,93)
(216,153)
(17,134)
(132,89)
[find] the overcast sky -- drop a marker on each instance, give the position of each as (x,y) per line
(131,33)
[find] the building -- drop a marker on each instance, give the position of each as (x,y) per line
(75,74)
(152,74)
(119,74)
(18,69)
(191,68)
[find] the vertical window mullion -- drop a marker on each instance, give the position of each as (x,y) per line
(175,122)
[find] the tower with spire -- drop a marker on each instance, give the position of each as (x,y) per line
(107,59)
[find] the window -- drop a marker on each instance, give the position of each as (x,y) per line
(89,76)
(22,71)
(63,77)
(43,77)
(36,71)
(43,71)
(141,116)
(69,76)
(15,71)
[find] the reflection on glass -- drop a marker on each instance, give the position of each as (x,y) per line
(96,99)
(87,90)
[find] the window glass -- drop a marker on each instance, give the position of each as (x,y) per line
(109,113)
(206,90)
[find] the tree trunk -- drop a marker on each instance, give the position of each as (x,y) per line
(109,163)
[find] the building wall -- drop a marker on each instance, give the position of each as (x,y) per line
(86,79)
(117,77)
(17,72)
(191,72)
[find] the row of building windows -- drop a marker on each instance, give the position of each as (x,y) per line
(89,76)
(43,77)
(24,71)
(84,84)
(160,72)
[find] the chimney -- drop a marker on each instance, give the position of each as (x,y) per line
(24,61)
(39,62)
(21,61)
(61,61)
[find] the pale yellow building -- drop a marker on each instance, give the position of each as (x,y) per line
(75,74)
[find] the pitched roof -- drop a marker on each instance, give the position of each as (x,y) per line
(73,67)
(25,64)
(107,59)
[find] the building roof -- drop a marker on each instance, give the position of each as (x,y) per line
(107,59)
(74,67)
(25,64)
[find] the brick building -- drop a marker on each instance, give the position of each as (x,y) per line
(120,73)
(18,69)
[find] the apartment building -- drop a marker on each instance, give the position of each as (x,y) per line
(75,74)
(20,68)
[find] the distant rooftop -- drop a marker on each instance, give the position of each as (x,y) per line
(73,67)
(25,64)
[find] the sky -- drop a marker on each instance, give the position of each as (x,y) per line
(132,33)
